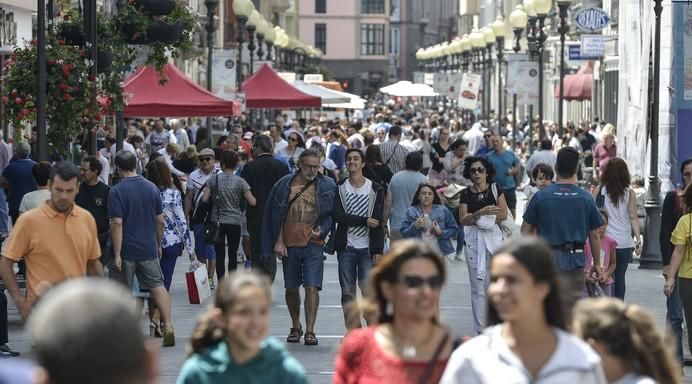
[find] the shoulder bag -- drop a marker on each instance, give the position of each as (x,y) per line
(425,376)
(212,228)
(600,198)
(508,226)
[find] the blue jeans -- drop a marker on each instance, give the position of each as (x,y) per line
(168,258)
(460,232)
(354,267)
(675,318)
(623,256)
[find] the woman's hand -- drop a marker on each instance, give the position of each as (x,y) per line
(490,210)
(669,285)
(436,229)
(420,223)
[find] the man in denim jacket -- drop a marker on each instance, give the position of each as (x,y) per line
(297,220)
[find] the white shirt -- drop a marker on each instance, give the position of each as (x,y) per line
(280,145)
(474,137)
(106,171)
(487,359)
(357,203)
(544,156)
(619,226)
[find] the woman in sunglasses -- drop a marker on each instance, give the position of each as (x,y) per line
(296,146)
(428,219)
(408,344)
(527,340)
(481,207)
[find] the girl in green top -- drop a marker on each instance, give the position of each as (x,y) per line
(229,343)
(680,271)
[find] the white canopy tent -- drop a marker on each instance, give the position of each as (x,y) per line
(327,95)
(355,101)
(405,88)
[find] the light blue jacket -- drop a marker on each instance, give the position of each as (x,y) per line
(444,219)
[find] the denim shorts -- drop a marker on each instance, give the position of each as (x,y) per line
(202,250)
(354,268)
(304,266)
(511,197)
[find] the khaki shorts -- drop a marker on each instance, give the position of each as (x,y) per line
(148,273)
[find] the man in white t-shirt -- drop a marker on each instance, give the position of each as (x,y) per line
(279,142)
(359,235)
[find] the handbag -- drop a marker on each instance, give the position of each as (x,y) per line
(212,229)
(508,226)
(600,198)
(197,280)
(201,210)
(425,376)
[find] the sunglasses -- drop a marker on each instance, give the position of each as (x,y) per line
(480,171)
(205,159)
(434,282)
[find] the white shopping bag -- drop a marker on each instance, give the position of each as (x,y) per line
(197,280)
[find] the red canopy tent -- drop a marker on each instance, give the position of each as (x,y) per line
(578,86)
(266,89)
(179,97)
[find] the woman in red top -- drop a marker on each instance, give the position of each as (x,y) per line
(408,345)
(604,151)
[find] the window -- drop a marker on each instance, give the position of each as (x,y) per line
(320,6)
(372,6)
(371,39)
(394,42)
(321,36)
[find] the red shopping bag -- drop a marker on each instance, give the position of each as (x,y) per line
(197,283)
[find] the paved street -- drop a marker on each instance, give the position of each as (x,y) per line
(644,287)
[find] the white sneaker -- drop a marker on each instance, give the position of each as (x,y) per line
(211,283)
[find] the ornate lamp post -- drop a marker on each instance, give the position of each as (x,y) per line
(563,5)
(478,44)
(537,11)
(261,34)
(242,10)
(211,28)
(465,53)
(518,19)
(651,257)
(499,29)
(251,26)
(489,38)
(269,38)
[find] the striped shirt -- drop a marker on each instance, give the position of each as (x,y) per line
(357,204)
(393,155)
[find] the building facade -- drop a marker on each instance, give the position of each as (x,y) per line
(354,37)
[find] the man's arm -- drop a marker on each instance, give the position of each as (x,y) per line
(387,207)
(94,268)
(117,237)
(159,230)
(10,279)
(188,202)
(527,229)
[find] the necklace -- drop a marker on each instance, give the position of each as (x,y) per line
(410,350)
(481,192)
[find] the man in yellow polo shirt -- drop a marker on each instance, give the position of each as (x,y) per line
(58,241)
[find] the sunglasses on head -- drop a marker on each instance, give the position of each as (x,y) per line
(477,170)
(434,282)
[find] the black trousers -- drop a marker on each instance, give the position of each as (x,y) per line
(266,268)
(230,238)
(4,338)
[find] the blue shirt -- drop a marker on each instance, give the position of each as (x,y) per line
(483,151)
(21,180)
(563,214)
(138,202)
(502,163)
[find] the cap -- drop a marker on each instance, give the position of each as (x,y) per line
(206,152)
(248,135)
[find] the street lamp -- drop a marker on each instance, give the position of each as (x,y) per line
(537,11)
(261,31)
(478,44)
(518,19)
(211,28)
(280,43)
(563,5)
(242,9)
(499,29)
(269,39)
(251,26)
(489,39)
(651,257)
(465,52)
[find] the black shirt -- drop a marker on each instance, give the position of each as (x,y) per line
(437,155)
(261,174)
(587,144)
(476,201)
(379,173)
(95,200)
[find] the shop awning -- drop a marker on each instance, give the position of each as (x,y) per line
(178,97)
(326,95)
(266,89)
(355,102)
(405,88)
(578,86)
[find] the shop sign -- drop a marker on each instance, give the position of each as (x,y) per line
(8,28)
(591,19)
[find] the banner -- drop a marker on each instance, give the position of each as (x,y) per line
(223,82)
(522,80)
(468,91)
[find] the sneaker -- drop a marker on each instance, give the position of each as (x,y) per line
(211,283)
(168,338)
(6,351)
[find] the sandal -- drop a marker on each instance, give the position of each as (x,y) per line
(294,335)
(310,338)
(155,329)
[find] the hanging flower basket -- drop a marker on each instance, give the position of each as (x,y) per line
(155,7)
(161,32)
(72,35)
(104,60)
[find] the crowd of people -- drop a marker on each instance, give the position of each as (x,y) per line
(395,197)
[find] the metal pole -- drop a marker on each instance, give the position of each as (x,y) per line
(251,45)
(515,121)
(651,256)
(92,42)
(563,31)
(211,28)
(540,128)
(41,132)
(540,92)
(239,63)
(500,54)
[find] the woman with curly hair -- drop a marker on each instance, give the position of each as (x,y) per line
(631,347)
(620,202)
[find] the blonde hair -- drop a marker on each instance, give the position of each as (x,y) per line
(608,130)
(629,333)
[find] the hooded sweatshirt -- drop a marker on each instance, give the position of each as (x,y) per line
(215,365)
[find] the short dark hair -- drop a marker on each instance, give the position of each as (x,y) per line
(395,131)
(94,164)
(229,159)
(684,164)
(567,162)
(544,169)
(125,160)
(546,144)
(416,201)
(373,154)
(356,150)
(41,173)
(65,170)
(458,143)
(489,169)
(110,139)
(537,257)
(414,161)
(263,143)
